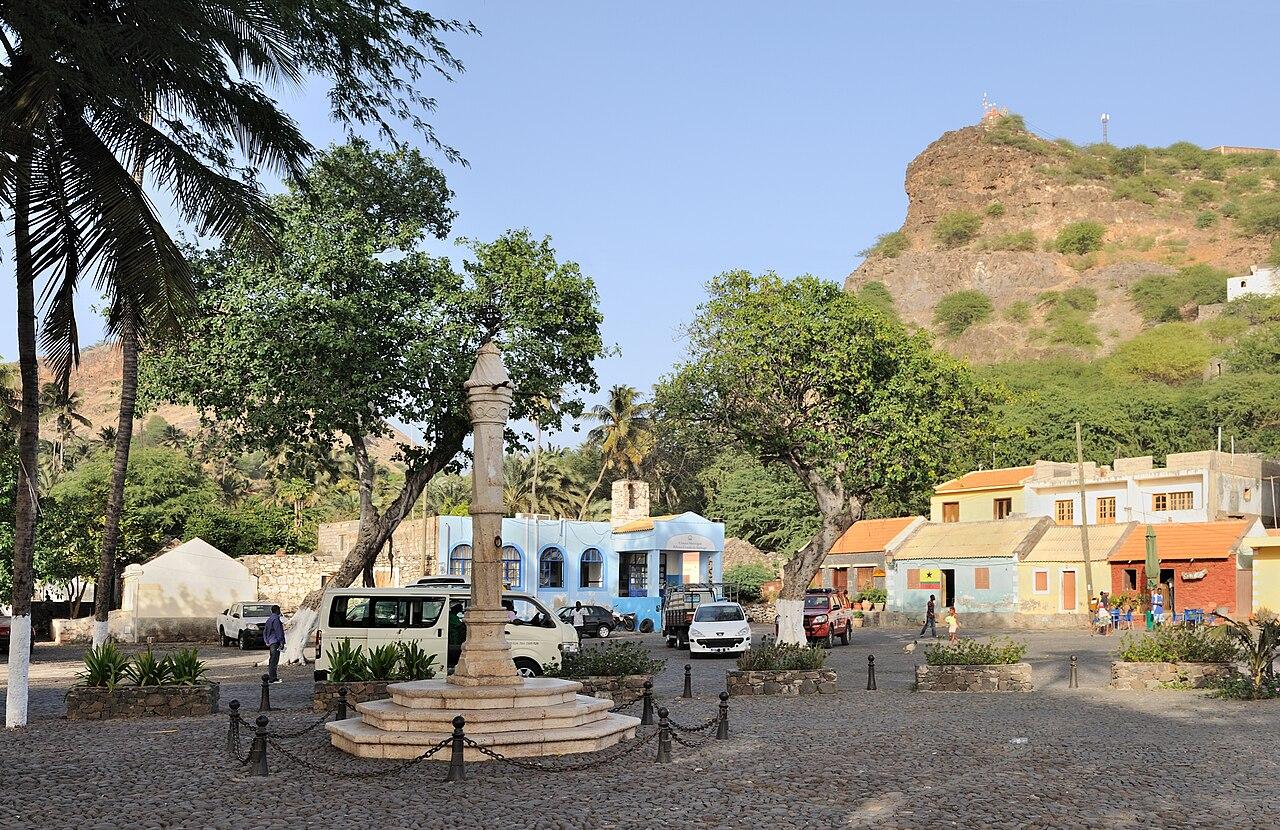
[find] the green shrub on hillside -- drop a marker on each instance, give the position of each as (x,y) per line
(1215,167)
(1011,130)
(1206,219)
(1017,312)
(1014,241)
(876,294)
(1147,188)
(749,577)
(1129,162)
(1161,297)
(1254,309)
(1171,353)
(1072,332)
(994,209)
(957,227)
(1079,238)
(958,311)
(1188,156)
(1199,194)
(1243,183)
(1230,210)
(1257,351)
(1088,166)
(1261,216)
(888,245)
(1080,298)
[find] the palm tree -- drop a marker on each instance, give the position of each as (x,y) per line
(107,436)
(624,433)
(63,406)
(174,438)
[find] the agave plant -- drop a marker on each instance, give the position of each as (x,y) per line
(416,663)
(186,667)
(146,670)
(383,660)
(1257,645)
(347,663)
(104,665)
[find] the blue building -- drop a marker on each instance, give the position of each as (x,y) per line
(621,564)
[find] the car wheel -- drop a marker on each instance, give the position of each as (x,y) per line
(603,631)
(527,668)
(671,642)
(684,640)
(830,640)
(222,637)
(243,642)
(844,638)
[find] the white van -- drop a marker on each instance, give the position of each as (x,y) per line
(371,617)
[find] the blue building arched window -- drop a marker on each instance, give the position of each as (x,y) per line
(591,569)
(551,568)
(460,561)
(511,565)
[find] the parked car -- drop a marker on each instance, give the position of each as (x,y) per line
(598,621)
(241,624)
(826,616)
(679,602)
(719,628)
(4,635)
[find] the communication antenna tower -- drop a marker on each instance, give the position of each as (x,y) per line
(1106,119)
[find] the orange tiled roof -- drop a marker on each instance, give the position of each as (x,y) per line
(870,535)
(1273,531)
(1184,540)
(982,479)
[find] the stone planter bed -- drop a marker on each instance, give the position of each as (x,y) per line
(789,682)
(1140,676)
(620,689)
(325,696)
(1009,677)
(103,703)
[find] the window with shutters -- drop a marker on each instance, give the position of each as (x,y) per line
(1001,508)
(981,578)
(1064,511)
(1106,510)
(913,579)
(951,511)
(1040,582)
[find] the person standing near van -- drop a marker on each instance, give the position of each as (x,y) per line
(579,618)
(930,619)
(273,638)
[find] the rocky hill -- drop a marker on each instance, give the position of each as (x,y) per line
(1009,194)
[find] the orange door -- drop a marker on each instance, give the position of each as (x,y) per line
(1068,590)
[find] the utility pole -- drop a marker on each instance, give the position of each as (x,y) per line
(1084,515)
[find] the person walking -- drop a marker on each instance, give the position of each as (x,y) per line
(579,618)
(953,625)
(930,619)
(273,638)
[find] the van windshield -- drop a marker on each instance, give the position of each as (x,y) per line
(718,613)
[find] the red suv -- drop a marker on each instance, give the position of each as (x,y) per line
(827,616)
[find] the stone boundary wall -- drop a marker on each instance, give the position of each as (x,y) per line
(102,703)
(620,689)
(325,696)
(286,580)
(788,683)
(990,620)
(1011,677)
(1141,676)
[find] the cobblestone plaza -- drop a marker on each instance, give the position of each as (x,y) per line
(892,758)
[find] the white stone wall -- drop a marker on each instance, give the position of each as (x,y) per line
(1262,281)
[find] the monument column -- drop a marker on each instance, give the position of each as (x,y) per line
(486,657)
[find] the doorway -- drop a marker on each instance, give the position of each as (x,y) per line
(948,587)
(1068,590)
(1166,588)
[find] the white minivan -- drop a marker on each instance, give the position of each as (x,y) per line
(371,617)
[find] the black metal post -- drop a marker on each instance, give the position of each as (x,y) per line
(259,751)
(722,729)
(233,728)
(1075,678)
(342,703)
(264,703)
(664,737)
(688,681)
(871,672)
(646,714)
(457,772)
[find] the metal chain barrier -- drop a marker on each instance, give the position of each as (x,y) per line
(401,767)
(300,732)
(235,753)
(624,707)
(675,727)
(545,767)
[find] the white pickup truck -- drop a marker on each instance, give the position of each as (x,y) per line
(242,624)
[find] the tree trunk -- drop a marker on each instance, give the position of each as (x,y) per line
(798,572)
(587,501)
(27,512)
(104,591)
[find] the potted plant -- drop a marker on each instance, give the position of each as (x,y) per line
(858,619)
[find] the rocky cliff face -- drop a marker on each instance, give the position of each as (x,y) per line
(1038,189)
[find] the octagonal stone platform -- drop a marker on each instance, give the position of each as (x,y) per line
(542,716)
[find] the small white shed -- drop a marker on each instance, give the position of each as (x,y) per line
(177,595)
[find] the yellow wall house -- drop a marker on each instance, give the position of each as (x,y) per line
(981,496)
(1051,577)
(1266,571)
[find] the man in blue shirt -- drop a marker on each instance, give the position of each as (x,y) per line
(273,637)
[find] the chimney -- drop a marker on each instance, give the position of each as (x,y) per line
(630,501)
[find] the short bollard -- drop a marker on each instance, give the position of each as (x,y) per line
(457,772)
(264,703)
(688,681)
(871,672)
(233,728)
(646,714)
(342,703)
(1075,678)
(259,751)
(722,729)
(664,737)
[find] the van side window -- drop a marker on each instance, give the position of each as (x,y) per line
(428,612)
(523,612)
(390,612)
(349,612)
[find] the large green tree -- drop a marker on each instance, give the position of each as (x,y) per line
(799,373)
(624,433)
(353,328)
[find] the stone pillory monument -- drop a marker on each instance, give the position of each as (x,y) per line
(515,716)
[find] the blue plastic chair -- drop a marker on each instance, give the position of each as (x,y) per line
(1115,618)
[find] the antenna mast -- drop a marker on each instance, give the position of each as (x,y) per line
(1106,119)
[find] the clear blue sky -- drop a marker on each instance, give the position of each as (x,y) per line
(660,143)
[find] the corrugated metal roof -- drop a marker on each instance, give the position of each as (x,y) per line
(982,479)
(870,535)
(1062,544)
(972,540)
(1184,540)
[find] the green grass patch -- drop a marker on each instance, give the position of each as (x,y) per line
(957,227)
(958,311)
